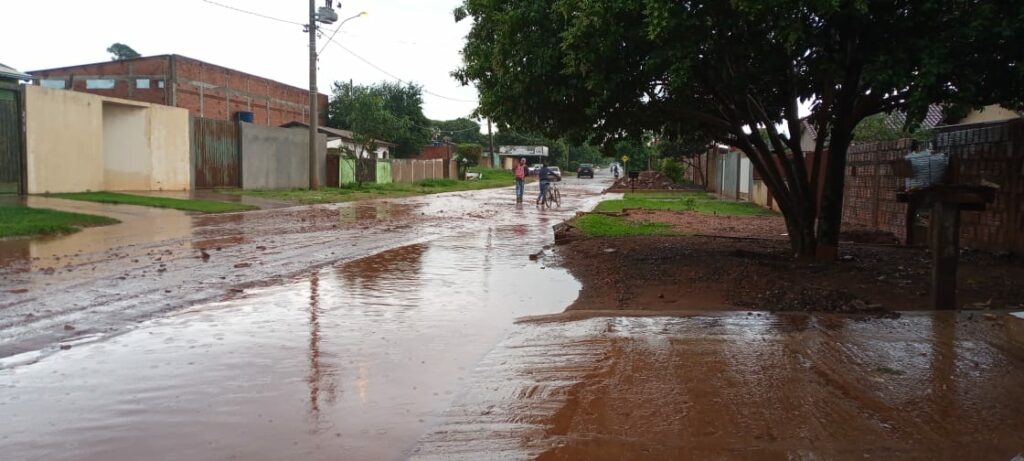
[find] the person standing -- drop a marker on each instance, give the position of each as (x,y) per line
(544,177)
(520,171)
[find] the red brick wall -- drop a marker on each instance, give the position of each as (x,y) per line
(432,152)
(206,90)
(272,103)
(124,73)
(989,153)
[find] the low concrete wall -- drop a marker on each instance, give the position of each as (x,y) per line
(278,158)
(80,142)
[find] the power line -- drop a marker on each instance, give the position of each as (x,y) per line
(254,13)
(353,53)
(399,79)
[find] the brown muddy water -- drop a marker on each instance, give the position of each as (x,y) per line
(348,360)
(738,386)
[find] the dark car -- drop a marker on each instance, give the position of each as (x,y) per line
(585,169)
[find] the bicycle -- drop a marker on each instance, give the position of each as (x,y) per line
(551,196)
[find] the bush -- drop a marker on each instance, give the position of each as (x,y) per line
(672,169)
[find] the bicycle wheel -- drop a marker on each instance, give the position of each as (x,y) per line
(557,197)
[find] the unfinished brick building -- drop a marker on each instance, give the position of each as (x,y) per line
(205,89)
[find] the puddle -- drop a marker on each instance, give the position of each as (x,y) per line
(354,361)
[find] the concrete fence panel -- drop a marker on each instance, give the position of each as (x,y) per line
(278,158)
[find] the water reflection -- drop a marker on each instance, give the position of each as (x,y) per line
(321,377)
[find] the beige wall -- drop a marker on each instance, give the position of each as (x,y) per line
(79,142)
(989,114)
(64,140)
(759,194)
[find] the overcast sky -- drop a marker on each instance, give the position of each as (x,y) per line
(416,40)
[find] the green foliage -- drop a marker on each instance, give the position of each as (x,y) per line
(436,183)
(470,152)
(120,52)
(875,128)
(614,69)
(672,169)
(386,111)
(683,201)
(459,131)
(597,225)
(204,206)
(17,220)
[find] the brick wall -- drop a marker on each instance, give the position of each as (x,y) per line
(869,196)
(981,154)
(206,90)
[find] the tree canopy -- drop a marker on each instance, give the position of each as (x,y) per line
(460,131)
(609,69)
(120,52)
(391,111)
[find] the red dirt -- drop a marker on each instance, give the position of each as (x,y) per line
(750,267)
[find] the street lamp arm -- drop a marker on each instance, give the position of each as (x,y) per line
(331,38)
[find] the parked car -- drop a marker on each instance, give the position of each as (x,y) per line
(556,171)
(585,169)
(533,169)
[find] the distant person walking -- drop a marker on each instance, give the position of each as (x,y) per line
(520,171)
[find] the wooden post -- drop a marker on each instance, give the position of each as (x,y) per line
(944,238)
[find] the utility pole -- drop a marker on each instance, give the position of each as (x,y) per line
(313,119)
(490,136)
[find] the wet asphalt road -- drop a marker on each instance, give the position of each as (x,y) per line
(306,333)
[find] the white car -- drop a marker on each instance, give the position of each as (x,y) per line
(556,171)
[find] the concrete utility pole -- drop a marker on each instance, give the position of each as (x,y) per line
(313,119)
(490,136)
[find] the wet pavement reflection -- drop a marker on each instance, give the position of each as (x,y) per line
(353,360)
(738,386)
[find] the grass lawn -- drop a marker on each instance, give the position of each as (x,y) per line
(596,225)
(204,206)
(17,220)
(700,202)
(352,192)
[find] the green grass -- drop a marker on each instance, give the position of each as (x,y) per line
(204,206)
(353,192)
(683,201)
(596,225)
(18,220)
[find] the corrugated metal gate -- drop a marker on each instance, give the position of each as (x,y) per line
(10,142)
(215,153)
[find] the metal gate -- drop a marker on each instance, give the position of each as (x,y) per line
(216,157)
(11,165)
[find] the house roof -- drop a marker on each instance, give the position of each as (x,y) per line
(334,133)
(10,72)
(894,120)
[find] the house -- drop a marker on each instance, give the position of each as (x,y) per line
(206,90)
(533,154)
(11,76)
(345,140)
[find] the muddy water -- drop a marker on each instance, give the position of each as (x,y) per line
(735,386)
(353,360)
(104,280)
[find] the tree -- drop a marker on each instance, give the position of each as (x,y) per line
(461,130)
(371,122)
(687,149)
(402,102)
(120,52)
(467,155)
(611,68)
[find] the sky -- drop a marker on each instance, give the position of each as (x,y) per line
(415,40)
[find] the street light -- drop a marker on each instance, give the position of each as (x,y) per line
(329,39)
(326,15)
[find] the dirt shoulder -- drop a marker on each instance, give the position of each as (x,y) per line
(751,269)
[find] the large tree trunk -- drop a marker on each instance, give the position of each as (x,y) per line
(830,217)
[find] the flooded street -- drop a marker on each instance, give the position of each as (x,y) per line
(422,329)
(353,357)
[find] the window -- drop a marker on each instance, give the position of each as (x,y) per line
(159,83)
(142,83)
(99,84)
(57,83)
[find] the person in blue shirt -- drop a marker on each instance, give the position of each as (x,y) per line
(544,177)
